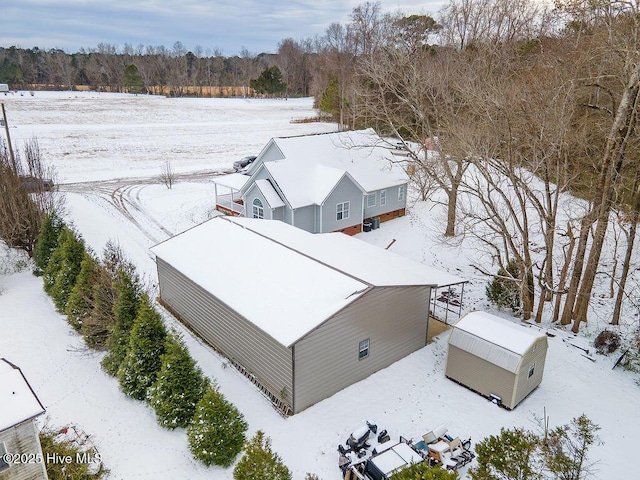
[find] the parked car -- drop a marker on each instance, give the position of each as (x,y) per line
(241,165)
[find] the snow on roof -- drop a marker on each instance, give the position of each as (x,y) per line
(362,153)
(269,193)
(17,401)
(366,262)
(268,284)
(493,338)
(235,181)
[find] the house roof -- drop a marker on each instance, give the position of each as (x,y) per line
(361,260)
(19,402)
(495,339)
(268,284)
(271,273)
(234,181)
(269,193)
(314,164)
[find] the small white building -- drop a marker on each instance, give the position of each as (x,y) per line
(4,87)
(496,357)
(19,407)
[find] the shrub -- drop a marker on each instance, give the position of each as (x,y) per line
(422,471)
(504,290)
(63,268)
(217,432)
(141,365)
(607,342)
(260,462)
(47,242)
(128,290)
(97,325)
(179,387)
(80,300)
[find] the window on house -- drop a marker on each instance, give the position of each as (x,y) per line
(383,198)
(371,200)
(532,369)
(342,211)
(401,193)
(258,209)
(363,349)
(4,465)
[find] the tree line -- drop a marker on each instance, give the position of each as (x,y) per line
(519,101)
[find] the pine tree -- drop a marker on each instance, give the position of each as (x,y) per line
(512,455)
(422,471)
(80,300)
(97,325)
(217,431)
(260,462)
(141,365)
(129,293)
(66,260)
(47,242)
(179,387)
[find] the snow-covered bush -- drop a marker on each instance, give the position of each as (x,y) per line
(217,431)
(63,268)
(260,462)
(80,300)
(607,342)
(179,387)
(47,242)
(504,290)
(141,365)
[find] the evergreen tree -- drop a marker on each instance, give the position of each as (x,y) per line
(97,325)
(512,455)
(47,242)
(66,260)
(81,298)
(179,386)
(132,82)
(260,462)
(270,82)
(217,431)
(504,290)
(422,471)
(565,449)
(129,293)
(141,365)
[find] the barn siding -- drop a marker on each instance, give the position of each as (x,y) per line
(23,439)
(395,320)
(480,375)
(524,384)
(226,330)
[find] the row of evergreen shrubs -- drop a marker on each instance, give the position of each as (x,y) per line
(104,300)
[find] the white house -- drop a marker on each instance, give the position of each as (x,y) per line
(332,182)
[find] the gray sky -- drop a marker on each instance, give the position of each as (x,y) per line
(228,25)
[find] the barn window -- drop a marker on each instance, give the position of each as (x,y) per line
(363,349)
(532,369)
(371,200)
(4,465)
(383,198)
(258,209)
(342,211)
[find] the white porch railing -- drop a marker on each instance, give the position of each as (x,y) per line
(229,203)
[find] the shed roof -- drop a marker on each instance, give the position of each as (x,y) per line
(361,260)
(495,339)
(271,272)
(18,402)
(270,285)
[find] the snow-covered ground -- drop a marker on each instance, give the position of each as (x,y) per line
(102,137)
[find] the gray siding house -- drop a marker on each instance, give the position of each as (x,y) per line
(19,406)
(496,357)
(302,315)
(331,182)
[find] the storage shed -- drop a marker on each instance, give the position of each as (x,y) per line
(495,357)
(19,406)
(302,315)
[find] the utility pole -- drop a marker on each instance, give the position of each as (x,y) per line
(6,128)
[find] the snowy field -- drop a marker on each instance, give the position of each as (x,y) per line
(108,151)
